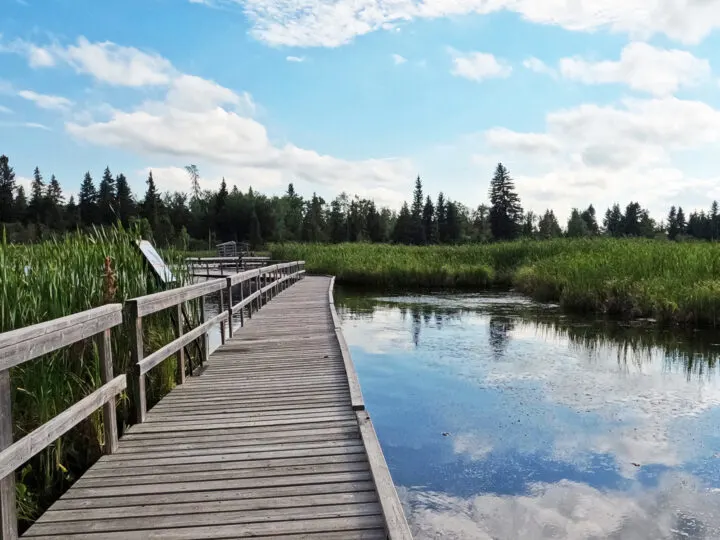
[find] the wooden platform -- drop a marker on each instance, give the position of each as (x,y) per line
(267,442)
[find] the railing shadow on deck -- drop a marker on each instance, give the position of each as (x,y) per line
(25,344)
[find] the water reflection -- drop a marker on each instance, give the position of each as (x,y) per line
(501,418)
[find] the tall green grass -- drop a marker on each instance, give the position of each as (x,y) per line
(52,279)
(673,282)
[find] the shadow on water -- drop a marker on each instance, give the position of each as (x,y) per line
(503,418)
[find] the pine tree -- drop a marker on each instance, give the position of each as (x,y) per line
(314,222)
(20,205)
(428,221)
(256,239)
(528,227)
(481,224)
(588,216)
(505,210)
(7,190)
(672,224)
(36,208)
(87,201)
(54,205)
(714,221)
(221,218)
(107,199)
(454,228)
(631,220)
(416,214)
(402,234)
(374,224)
(124,203)
(294,214)
(577,227)
(337,222)
(613,221)
(194,174)
(548,226)
(441,219)
(72,215)
(681,223)
(151,203)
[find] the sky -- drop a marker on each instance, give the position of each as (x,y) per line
(585,101)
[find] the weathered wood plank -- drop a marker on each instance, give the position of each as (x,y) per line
(30,445)
(21,345)
(8,512)
(153,303)
(397,525)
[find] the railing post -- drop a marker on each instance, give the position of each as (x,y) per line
(137,379)
(206,340)
(230,307)
(106,375)
(8,508)
(222,323)
(180,376)
(258,300)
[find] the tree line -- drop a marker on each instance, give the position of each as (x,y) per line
(201,218)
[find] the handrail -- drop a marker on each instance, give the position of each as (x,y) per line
(266,282)
(25,344)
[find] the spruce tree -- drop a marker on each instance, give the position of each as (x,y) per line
(613,221)
(548,226)
(672,225)
(151,203)
(505,209)
(441,218)
(588,216)
(428,221)
(21,206)
(454,227)
(416,214)
(373,224)
(124,202)
(681,223)
(577,227)
(36,207)
(72,215)
(87,201)
(54,205)
(107,199)
(402,234)
(7,190)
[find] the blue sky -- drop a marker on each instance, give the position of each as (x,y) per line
(602,101)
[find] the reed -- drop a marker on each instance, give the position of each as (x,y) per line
(52,279)
(670,281)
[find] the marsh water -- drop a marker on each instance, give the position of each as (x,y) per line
(501,418)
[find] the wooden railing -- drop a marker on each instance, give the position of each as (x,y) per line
(20,346)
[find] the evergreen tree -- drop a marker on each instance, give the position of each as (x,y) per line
(402,234)
(672,224)
(124,203)
(256,239)
(631,220)
(714,222)
(337,222)
(222,228)
(107,199)
(548,226)
(428,222)
(481,224)
(21,205)
(681,223)
(314,222)
(577,227)
(505,209)
(416,213)
(374,224)
(151,204)
(454,227)
(441,219)
(87,201)
(54,202)
(72,215)
(588,216)
(36,208)
(528,227)
(194,175)
(293,214)
(614,221)
(7,190)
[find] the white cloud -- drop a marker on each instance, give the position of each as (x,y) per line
(398,59)
(297,59)
(642,67)
(478,66)
(30,125)
(538,66)
(107,62)
(678,507)
(204,122)
(605,154)
(331,23)
(45,101)
(5,110)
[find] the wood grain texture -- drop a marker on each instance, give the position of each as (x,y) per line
(21,345)
(8,511)
(265,443)
(153,303)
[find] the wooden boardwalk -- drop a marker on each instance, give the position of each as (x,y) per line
(271,441)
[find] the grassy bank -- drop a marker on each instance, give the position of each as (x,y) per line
(52,279)
(673,282)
